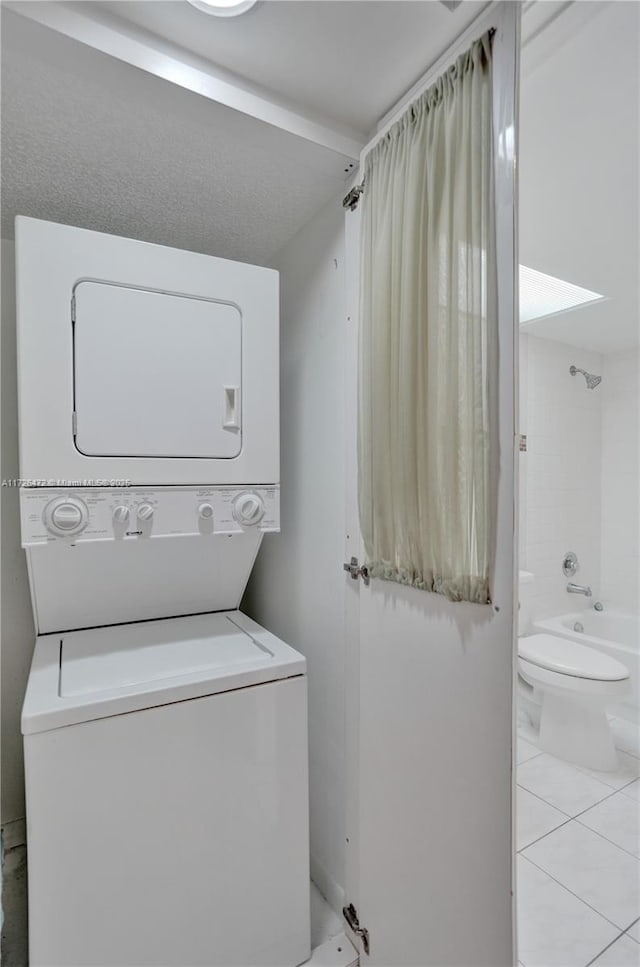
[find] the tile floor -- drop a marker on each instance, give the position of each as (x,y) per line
(578,843)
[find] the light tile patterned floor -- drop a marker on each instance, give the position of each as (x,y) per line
(578,839)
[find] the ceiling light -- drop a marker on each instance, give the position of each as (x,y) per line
(543,295)
(224,8)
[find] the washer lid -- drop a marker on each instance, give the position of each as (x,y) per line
(103,659)
(83,675)
(570,658)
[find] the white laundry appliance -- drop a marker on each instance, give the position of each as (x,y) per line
(165,733)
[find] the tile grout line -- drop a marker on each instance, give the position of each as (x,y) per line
(530,759)
(615,788)
(606,838)
(627,934)
(612,789)
(604,949)
(622,931)
(583,811)
(569,818)
(546,801)
(544,835)
(600,914)
(611,793)
(623,788)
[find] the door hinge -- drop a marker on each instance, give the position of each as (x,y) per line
(351,916)
(74,423)
(73,308)
(351,199)
(354,569)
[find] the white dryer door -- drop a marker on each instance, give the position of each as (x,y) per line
(156,374)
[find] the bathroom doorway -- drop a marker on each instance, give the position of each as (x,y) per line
(578,769)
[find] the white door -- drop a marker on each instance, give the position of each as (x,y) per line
(155,374)
(429,717)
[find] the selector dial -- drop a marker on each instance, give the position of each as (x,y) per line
(248,509)
(66,516)
(121,514)
(145,512)
(205,511)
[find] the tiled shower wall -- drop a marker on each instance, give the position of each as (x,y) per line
(580,475)
(560,471)
(620,484)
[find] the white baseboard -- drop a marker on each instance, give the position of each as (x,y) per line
(331,891)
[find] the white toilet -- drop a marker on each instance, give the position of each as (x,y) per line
(571,685)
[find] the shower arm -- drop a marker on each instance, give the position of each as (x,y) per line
(591,379)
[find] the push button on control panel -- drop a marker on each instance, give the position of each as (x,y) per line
(205,518)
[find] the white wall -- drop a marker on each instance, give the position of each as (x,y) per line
(16,627)
(620,480)
(579,210)
(561,493)
(578,168)
(297,587)
(580,476)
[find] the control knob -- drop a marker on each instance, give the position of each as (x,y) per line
(66,516)
(248,509)
(121,515)
(145,512)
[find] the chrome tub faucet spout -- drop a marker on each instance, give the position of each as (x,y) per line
(578,589)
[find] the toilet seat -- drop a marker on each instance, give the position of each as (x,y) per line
(560,656)
(607,690)
(573,685)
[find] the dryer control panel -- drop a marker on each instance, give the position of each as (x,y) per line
(136,513)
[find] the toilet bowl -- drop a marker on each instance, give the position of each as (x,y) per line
(572,684)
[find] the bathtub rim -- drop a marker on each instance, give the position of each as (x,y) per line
(553,625)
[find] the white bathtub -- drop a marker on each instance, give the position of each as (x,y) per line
(611,632)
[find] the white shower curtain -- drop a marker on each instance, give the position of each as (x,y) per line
(427,434)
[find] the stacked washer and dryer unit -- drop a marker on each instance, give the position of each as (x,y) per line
(165,733)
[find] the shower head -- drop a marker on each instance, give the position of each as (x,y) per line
(592,381)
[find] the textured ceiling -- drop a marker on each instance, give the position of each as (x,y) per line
(347,61)
(90,141)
